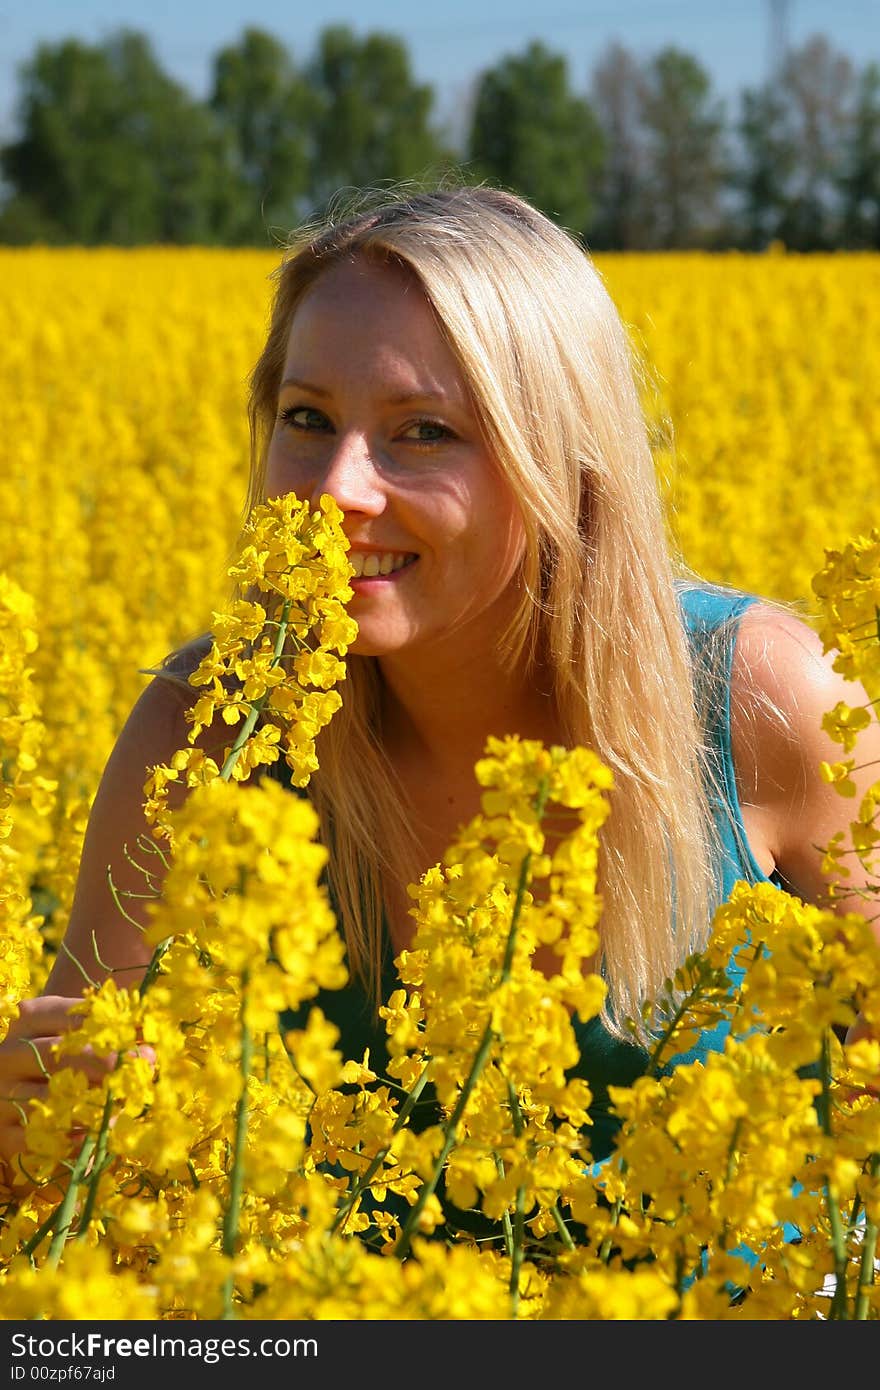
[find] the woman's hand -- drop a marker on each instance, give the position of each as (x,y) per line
(27,1060)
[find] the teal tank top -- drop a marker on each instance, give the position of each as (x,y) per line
(711,616)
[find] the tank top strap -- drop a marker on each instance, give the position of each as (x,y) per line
(711,615)
(711,618)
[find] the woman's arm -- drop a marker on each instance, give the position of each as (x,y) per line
(98,940)
(98,936)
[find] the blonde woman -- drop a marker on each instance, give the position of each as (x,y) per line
(451,369)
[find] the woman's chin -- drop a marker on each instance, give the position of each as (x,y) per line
(378,644)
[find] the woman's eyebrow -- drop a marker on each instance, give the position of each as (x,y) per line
(426,393)
(301,385)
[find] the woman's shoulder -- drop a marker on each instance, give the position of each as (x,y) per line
(773,650)
(783,684)
(781,658)
(157,725)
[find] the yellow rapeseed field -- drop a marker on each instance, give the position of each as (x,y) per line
(123,421)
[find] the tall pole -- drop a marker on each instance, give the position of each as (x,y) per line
(778,42)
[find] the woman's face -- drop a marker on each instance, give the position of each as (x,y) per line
(373,410)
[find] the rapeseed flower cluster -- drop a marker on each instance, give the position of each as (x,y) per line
(275,655)
(231,1166)
(848,586)
(24,795)
(125,437)
(475,1019)
(242,932)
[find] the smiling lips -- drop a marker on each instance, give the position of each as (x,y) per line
(369,565)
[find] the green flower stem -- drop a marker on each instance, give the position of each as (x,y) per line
(41,1232)
(231,759)
(522,885)
(561,1229)
(506,1222)
(59,1219)
(258,706)
(291,1057)
(867,1273)
(232,1215)
(615,1212)
(838,1310)
(369,1173)
(155,961)
(100,1160)
(729,1176)
(68,1202)
(709,979)
(404,1240)
(518,1224)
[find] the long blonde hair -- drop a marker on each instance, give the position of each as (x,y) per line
(554,386)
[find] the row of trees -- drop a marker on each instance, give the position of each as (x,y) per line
(110,149)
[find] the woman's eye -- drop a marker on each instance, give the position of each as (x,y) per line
(427,432)
(303,417)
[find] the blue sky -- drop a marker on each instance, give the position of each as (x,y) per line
(449,44)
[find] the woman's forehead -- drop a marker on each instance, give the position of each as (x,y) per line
(360,306)
(362,278)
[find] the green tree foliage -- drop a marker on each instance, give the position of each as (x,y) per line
(372,119)
(817,84)
(532,134)
(620,219)
(109,148)
(266,107)
(685,164)
(764,170)
(112,150)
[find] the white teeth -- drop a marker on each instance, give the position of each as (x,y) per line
(367,566)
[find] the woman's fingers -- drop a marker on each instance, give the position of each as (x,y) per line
(28,1058)
(28,1052)
(45,1016)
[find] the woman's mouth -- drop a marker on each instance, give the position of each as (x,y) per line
(378,564)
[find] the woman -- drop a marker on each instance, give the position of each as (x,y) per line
(450,368)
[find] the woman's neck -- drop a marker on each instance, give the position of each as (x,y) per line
(435,726)
(443,717)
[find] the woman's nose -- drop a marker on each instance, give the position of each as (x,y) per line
(349,475)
